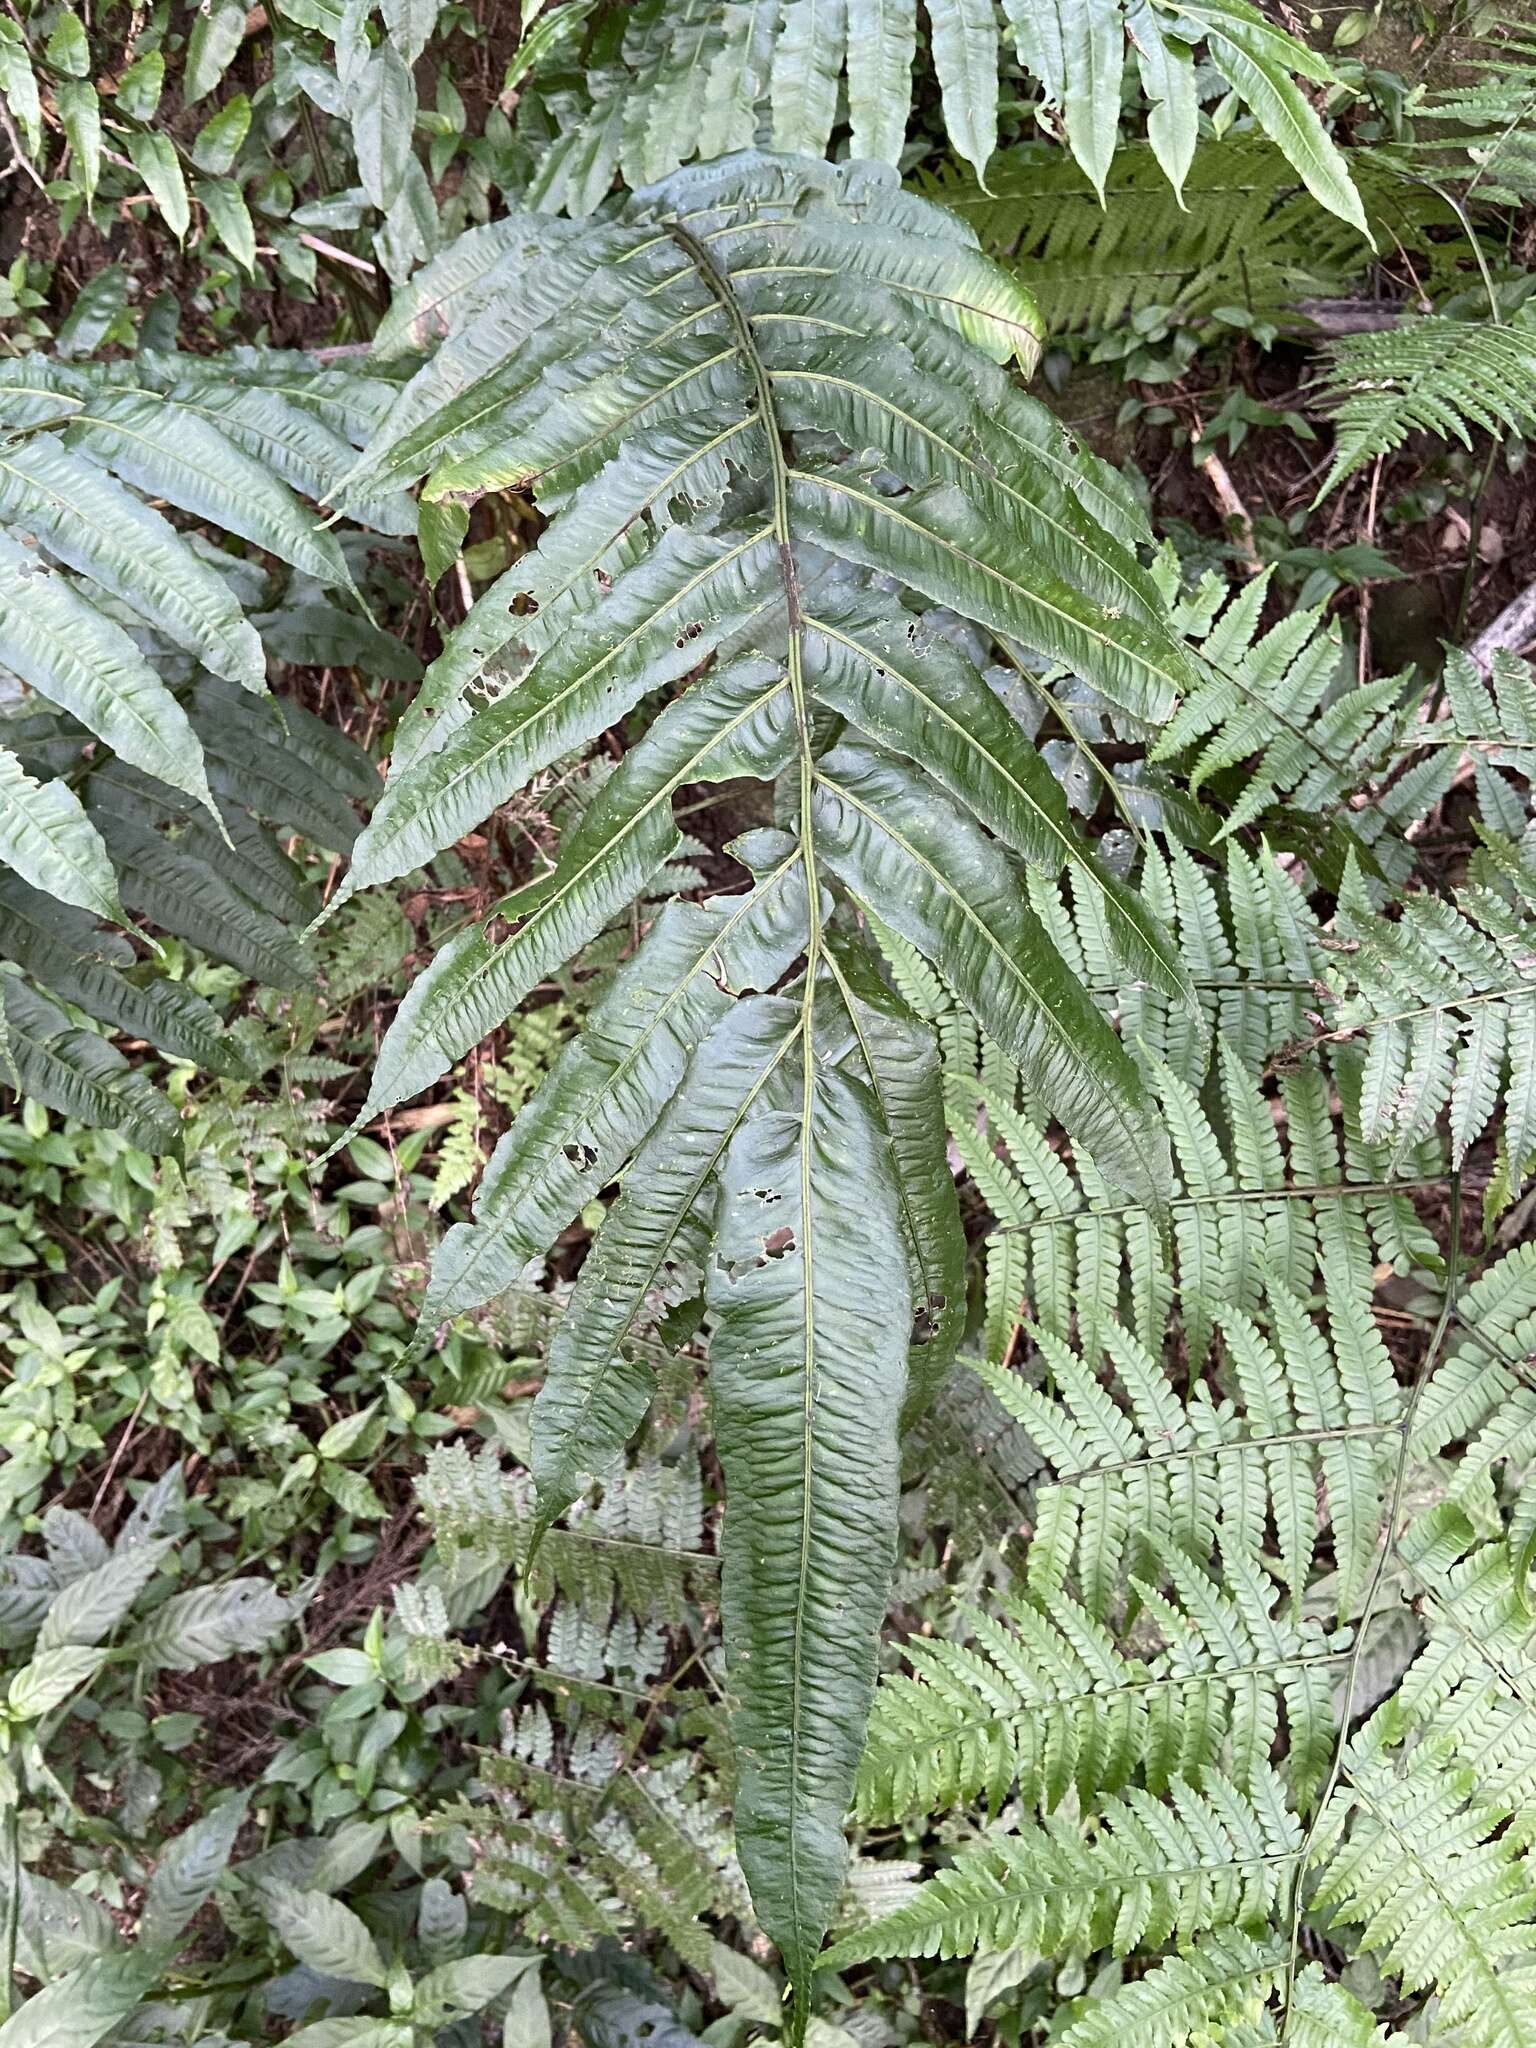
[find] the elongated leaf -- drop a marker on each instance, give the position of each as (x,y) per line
(809,1368)
(86,664)
(48,840)
(964,36)
(806,62)
(1167,72)
(594,1398)
(898,1059)
(325,1934)
(174,453)
(916,862)
(80,1074)
(882,35)
(611,1084)
(1257,60)
(916,692)
(79,2009)
(154,158)
(187,1871)
(97,527)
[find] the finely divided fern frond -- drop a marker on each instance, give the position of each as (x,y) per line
(1432,376)
(1042,1701)
(1148,1872)
(1444,1000)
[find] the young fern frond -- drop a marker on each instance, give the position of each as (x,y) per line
(668,83)
(1433,376)
(689,379)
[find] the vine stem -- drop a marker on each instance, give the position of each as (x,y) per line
(1368,1605)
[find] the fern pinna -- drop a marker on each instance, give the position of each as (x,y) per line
(748,404)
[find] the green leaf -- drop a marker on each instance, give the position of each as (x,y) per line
(1166,69)
(897,1058)
(218,140)
(325,1934)
(170,452)
(210,1623)
(80,111)
(218,30)
(464,1986)
(88,665)
(440,534)
(230,218)
(964,42)
(96,527)
(808,1387)
(806,61)
(80,1074)
(923,869)
(593,1397)
(79,2009)
(18,81)
(50,842)
(187,1870)
(882,36)
(67,49)
(154,158)
(49,1679)
(91,1606)
(383,114)
(1257,60)
(609,1087)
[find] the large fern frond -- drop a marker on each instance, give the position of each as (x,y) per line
(665,84)
(714,395)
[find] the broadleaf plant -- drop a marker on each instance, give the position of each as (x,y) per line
(789,484)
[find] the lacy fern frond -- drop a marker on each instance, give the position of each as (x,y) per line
(1148,1872)
(1281,706)
(1252,1198)
(1142,1470)
(1042,1701)
(1214,1991)
(1432,376)
(667,83)
(1444,998)
(1431,1874)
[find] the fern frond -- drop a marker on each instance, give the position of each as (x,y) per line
(1433,376)
(1439,1888)
(1444,999)
(1040,1700)
(1244,236)
(1149,1871)
(1219,1983)
(712,76)
(1143,1471)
